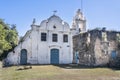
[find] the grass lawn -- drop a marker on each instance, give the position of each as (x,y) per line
(51,72)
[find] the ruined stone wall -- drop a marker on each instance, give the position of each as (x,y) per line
(113,46)
(84,44)
(95,48)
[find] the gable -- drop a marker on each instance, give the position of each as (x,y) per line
(54,23)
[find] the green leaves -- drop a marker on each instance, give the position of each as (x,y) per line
(11,37)
(8,37)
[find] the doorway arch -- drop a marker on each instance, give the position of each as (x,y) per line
(54,59)
(23,57)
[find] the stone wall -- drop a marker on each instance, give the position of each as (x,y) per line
(95,48)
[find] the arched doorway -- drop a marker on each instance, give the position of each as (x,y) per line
(54,59)
(23,57)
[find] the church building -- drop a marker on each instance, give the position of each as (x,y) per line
(47,43)
(55,42)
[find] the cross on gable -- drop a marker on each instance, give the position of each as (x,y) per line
(54,12)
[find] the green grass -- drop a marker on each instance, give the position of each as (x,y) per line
(0,70)
(50,72)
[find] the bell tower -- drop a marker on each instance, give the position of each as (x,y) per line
(79,23)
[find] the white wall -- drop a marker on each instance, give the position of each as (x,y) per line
(39,51)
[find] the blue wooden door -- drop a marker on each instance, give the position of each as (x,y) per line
(23,57)
(77,57)
(54,56)
(113,55)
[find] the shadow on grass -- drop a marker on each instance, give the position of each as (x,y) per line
(65,66)
(76,66)
(115,68)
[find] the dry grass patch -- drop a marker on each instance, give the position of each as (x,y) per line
(0,70)
(50,72)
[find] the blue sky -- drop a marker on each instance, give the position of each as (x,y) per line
(99,13)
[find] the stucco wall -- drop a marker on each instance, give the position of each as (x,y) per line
(38,52)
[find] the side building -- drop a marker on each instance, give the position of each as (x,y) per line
(97,48)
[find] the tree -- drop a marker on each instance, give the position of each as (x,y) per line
(4,45)
(12,36)
(8,38)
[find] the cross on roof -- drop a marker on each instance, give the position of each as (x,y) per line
(54,12)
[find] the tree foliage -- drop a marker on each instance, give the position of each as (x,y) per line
(8,37)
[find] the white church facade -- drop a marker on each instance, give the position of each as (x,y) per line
(48,43)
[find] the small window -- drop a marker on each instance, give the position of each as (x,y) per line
(43,36)
(104,36)
(65,38)
(54,37)
(79,30)
(54,27)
